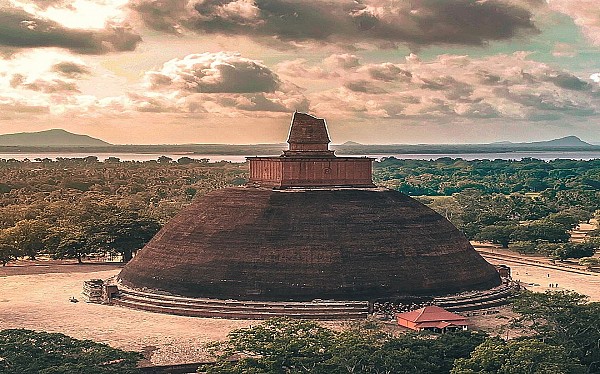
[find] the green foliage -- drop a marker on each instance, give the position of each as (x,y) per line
(526,356)
(569,218)
(549,197)
(279,345)
(564,319)
(541,231)
(63,208)
(68,243)
(525,247)
(574,250)
(25,351)
(590,262)
(292,346)
(124,233)
(497,234)
(446,176)
(27,236)
(8,247)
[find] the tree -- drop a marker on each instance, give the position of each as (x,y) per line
(28,236)
(524,247)
(541,231)
(279,345)
(283,345)
(569,218)
(589,262)
(563,319)
(496,234)
(124,232)
(574,250)
(8,249)
(25,351)
(70,242)
(526,356)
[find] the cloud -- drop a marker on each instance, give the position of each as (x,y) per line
(564,50)
(214,73)
(416,23)
(41,80)
(387,72)
(584,13)
(20,29)
(364,86)
(501,86)
(71,69)
(165,16)
(300,67)
(224,84)
(217,83)
(344,61)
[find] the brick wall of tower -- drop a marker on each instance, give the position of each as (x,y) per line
(311,172)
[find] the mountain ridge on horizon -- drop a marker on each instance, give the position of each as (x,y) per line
(50,138)
(64,138)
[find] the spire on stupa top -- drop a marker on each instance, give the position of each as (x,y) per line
(308,137)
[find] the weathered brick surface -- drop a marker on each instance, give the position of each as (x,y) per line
(348,244)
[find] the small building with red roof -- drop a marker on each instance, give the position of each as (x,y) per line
(432,318)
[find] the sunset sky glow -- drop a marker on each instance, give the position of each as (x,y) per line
(232,71)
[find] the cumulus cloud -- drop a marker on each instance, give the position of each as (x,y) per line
(41,81)
(214,73)
(225,84)
(216,83)
(344,61)
(21,29)
(384,22)
(71,69)
(300,68)
(502,86)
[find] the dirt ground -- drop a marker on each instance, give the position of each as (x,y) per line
(41,302)
(540,274)
(37,298)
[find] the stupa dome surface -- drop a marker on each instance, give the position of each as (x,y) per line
(257,243)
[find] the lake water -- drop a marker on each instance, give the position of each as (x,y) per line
(241,158)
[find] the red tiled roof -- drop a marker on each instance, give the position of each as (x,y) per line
(431,313)
(439,325)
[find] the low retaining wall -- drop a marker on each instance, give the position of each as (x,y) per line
(235,309)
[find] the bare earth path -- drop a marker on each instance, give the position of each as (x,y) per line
(41,302)
(537,273)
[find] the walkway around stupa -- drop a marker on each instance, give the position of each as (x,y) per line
(237,309)
(317,309)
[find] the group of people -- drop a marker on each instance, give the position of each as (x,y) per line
(388,309)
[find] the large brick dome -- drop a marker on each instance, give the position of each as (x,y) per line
(250,243)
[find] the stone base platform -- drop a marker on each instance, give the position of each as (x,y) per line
(494,297)
(234,309)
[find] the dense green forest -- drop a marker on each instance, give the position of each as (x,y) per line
(73,207)
(70,208)
(530,204)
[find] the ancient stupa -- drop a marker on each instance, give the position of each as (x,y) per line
(308,225)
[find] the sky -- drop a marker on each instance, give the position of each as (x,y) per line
(233,71)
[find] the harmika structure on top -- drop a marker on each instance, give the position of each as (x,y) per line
(308,162)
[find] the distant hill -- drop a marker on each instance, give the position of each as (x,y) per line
(50,138)
(350,143)
(567,141)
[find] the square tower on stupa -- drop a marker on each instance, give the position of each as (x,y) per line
(308,161)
